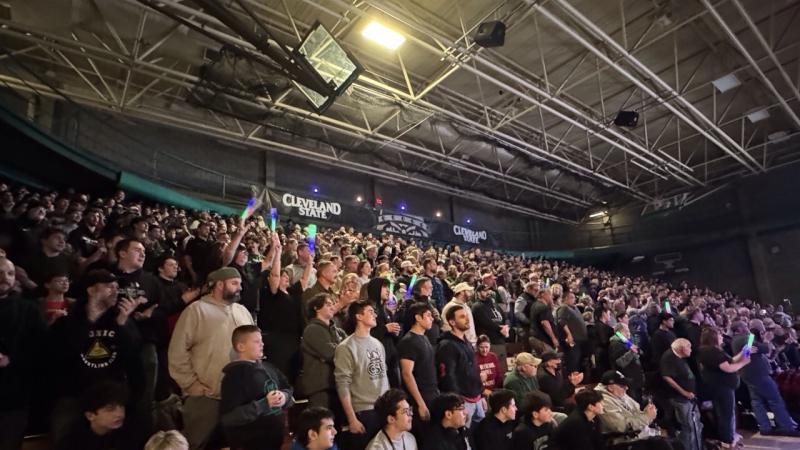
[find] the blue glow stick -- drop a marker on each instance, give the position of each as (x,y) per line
(273,214)
(747,348)
(411,285)
(249,209)
(624,339)
(312,237)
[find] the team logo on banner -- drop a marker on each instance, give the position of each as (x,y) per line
(308,207)
(402,224)
(471,236)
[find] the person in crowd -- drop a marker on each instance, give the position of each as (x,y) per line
(490,321)
(175,295)
(718,370)
(461,292)
(489,367)
(103,426)
(622,414)
(663,337)
(302,264)
(360,373)
(551,381)
(280,314)
(522,378)
(448,424)
(764,394)
(573,328)
(455,359)
(387,330)
(494,432)
(536,424)
(320,339)
(395,415)
(602,332)
(167,440)
(96,342)
(581,430)
(315,430)
(681,391)
(200,349)
(418,363)
(326,277)
(429,267)
(199,256)
(625,359)
(22,332)
(543,328)
(364,271)
(55,302)
(254,394)
(421,293)
(522,310)
(50,257)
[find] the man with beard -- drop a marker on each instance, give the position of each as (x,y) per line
(21,331)
(200,349)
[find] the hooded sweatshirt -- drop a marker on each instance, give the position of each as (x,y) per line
(201,343)
(455,359)
(245,385)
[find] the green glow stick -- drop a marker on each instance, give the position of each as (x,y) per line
(312,237)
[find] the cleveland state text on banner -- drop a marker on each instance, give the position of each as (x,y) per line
(470,236)
(308,209)
(402,224)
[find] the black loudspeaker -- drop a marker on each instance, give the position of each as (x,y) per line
(491,34)
(627,119)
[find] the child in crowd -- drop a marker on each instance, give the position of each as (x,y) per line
(254,395)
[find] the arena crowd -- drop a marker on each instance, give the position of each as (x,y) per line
(130,325)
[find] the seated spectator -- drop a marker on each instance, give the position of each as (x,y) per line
(167,440)
(104,427)
(622,413)
(254,395)
(494,432)
(395,415)
(536,424)
(489,367)
(448,420)
(522,378)
(581,430)
(314,430)
(552,382)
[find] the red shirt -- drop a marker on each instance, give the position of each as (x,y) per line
(490,366)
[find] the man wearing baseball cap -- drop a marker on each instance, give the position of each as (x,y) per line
(201,347)
(462,291)
(622,413)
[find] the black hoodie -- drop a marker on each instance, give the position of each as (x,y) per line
(21,332)
(458,373)
(379,331)
(244,412)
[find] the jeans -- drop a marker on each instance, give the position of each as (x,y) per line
(764,396)
(200,419)
(691,429)
(475,412)
(724,401)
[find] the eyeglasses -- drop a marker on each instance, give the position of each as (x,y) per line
(407,411)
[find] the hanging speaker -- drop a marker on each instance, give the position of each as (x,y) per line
(491,34)
(627,119)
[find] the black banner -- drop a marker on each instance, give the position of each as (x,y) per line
(457,234)
(404,224)
(310,209)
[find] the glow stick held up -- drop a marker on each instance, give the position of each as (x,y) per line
(411,285)
(391,299)
(625,340)
(750,340)
(273,215)
(249,209)
(667,307)
(312,237)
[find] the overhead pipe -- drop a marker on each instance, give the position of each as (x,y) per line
(600,34)
(752,61)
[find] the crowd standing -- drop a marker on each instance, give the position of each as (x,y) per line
(121,320)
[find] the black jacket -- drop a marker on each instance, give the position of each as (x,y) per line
(244,389)
(530,437)
(455,359)
(491,434)
(153,329)
(85,352)
(577,432)
(440,438)
(379,332)
(488,319)
(556,386)
(22,330)
(621,358)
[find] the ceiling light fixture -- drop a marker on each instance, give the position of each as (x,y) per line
(726,83)
(758,115)
(598,214)
(383,36)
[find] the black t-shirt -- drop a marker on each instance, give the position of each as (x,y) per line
(715,378)
(660,343)
(280,312)
(203,259)
(418,348)
(541,311)
(678,369)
